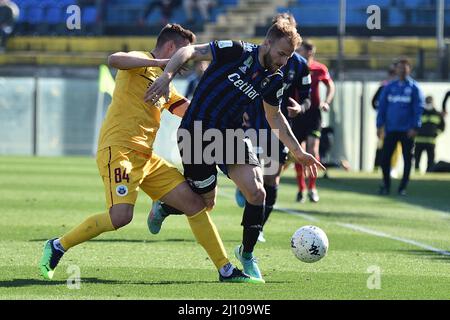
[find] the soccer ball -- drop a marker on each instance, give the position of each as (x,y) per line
(309,244)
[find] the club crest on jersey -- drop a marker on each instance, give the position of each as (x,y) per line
(264,83)
(247,64)
(224,44)
(291,75)
(280,93)
(407,90)
(248,46)
(121,190)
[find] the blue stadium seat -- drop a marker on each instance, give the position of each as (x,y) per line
(356,17)
(396,17)
(413,3)
(89,15)
(178,16)
(35,15)
(154,17)
(215,12)
(229,2)
(315,15)
(54,15)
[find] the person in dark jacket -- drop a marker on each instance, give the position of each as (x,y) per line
(432,125)
(9,13)
(399,119)
(444,104)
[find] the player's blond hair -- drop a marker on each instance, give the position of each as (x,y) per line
(284,29)
(287,17)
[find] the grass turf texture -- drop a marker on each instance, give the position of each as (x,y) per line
(45,197)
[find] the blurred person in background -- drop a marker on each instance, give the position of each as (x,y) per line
(307,126)
(166,7)
(325,148)
(432,125)
(194,78)
(400,109)
(9,12)
(204,6)
(398,149)
(444,104)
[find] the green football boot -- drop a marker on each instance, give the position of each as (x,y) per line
(50,259)
(239,277)
(250,265)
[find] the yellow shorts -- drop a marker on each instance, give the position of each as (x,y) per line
(124,170)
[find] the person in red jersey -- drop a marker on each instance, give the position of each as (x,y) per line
(307,126)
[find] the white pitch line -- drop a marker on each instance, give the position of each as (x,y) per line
(388,236)
(358,228)
(296,213)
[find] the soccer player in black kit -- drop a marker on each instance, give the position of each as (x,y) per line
(239,73)
(295,101)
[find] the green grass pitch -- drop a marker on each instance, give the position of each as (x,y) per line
(406,239)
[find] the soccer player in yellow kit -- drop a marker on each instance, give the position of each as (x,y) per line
(126,160)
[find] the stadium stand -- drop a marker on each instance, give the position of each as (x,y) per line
(398,18)
(41,17)
(117,22)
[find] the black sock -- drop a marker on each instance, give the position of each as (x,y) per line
(271,198)
(252,223)
(168,210)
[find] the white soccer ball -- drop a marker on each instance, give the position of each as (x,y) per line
(309,244)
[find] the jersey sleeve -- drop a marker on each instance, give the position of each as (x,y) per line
(175,100)
(303,87)
(139,54)
(224,51)
(324,75)
(273,93)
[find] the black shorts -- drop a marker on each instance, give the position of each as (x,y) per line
(307,124)
(279,153)
(199,160)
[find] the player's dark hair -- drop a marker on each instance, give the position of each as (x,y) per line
(284,29)
(176,33)
(284,17)
(403,60)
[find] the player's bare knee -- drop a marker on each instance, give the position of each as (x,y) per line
(210,204)
(257,196)
(194,205)
(271,180)
(121,214)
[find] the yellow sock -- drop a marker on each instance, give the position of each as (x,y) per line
(206,234)
(90,228)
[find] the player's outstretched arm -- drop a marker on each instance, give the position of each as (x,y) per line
(331,90)
(131,60)
(159,88)
(296,108)
(283,131)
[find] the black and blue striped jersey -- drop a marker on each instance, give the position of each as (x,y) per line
(234,79)
(296,85)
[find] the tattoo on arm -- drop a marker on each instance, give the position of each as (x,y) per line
(202,50)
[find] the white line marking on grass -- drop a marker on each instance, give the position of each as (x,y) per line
(385,235)
(297,213)
(358,228)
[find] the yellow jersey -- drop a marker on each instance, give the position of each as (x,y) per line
(130,121)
